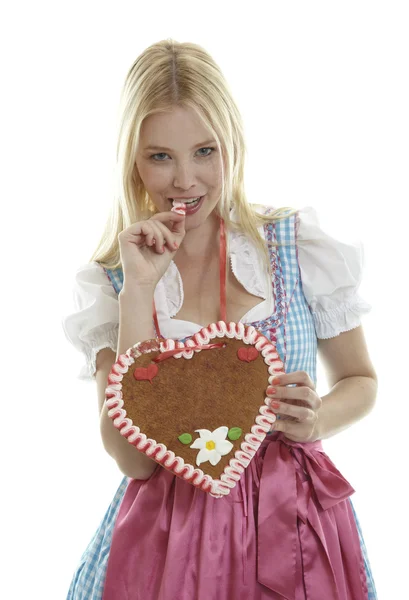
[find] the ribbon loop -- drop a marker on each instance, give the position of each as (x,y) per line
(292,474)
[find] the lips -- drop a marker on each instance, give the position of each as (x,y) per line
(193,208)
(189,208)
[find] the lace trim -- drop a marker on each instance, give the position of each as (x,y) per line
(269,326)
(173,286)
(247,269)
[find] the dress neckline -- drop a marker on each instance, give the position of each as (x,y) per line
(248,269)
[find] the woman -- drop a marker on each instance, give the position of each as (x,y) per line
(288,529)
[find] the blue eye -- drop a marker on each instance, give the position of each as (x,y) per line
(212,150)
(164,154)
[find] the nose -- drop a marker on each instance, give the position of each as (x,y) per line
(184,176)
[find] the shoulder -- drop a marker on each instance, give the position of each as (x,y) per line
(282,219)
(272,213)
(93,321)
(331,272)
(93,278)
(93,295)
(342,257)
(91,272)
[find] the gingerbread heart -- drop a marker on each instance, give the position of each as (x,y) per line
(197,408)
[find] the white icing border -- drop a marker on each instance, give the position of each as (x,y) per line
(159,452)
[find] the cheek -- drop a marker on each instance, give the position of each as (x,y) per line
(154,179)
(216,174)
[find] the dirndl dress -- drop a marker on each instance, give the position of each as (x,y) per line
(287,531)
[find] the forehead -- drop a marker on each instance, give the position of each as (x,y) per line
(179,129)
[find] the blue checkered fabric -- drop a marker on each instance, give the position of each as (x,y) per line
(291,328)
(89,577)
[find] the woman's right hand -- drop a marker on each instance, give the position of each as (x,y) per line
(147,247)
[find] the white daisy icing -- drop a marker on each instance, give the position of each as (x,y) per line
(212,445)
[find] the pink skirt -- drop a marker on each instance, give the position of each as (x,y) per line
(285,532)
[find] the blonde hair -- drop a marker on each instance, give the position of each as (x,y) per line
(168,74)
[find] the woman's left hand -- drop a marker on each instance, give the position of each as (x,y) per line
(300,404)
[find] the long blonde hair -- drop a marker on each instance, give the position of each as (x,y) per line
(168,74)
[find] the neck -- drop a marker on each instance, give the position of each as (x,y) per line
(201,242)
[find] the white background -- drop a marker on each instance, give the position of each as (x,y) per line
(323,90)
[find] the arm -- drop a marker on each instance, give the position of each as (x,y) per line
(352,379)
(135,325)
(331,273)
(354,385)
(144,261)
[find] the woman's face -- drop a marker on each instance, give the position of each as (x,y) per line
(178,159)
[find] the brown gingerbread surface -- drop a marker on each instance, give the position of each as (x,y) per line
(213,389)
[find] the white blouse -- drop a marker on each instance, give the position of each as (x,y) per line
(331,273)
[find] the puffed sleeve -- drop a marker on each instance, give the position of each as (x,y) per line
(94,322)
(331,273)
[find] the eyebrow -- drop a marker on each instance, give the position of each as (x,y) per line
(170,149)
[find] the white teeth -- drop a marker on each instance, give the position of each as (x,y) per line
(190,201)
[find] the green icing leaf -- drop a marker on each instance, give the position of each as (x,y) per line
(185,438)
(234,433)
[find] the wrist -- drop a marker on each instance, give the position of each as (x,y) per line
(136,292)
(135,317)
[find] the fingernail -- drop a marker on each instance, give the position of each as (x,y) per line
(276,381)
(163,249)
(176,244)
(275,404)
(271,390)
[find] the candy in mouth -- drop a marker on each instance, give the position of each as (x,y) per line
(178,207)
(190,206)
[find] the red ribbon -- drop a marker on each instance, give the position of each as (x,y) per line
(156,322)
(222,262)
(169,353)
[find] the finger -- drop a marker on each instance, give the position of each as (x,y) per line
(300,395)
(154,236)
(148,230)
(159,236)
(289,428)
(175,220)
(296,432)
(300,378)
(298,412)
(168,237)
